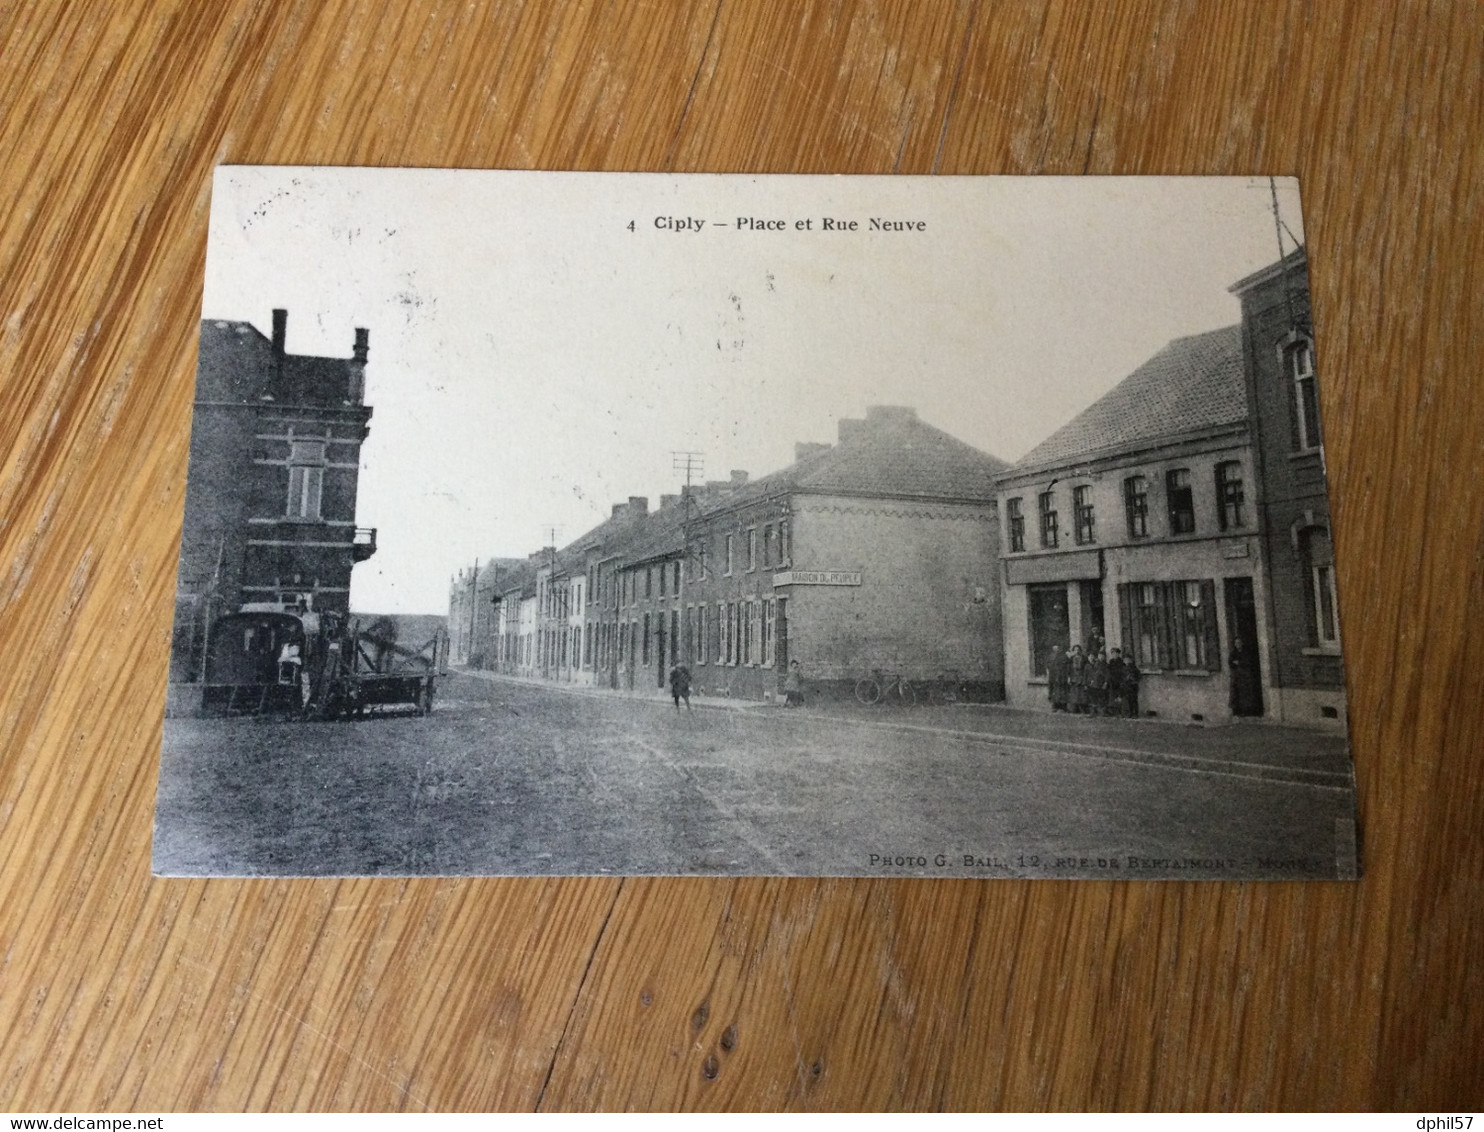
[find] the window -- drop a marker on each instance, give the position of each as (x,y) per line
(1136,506)
(1017,524)
(1229,496)
(727,555)
(1319,557)
(1047,502)
(645,646)
(306,478)
(1171,625)
(701,638)
(728,628)
(721,633)
(768,545)
(674,638)
(785,547)
(769,628)
(747,617)
(1082,514)
(752,548)
(1181,501)
(663,571)
(648,581)
(1300,364)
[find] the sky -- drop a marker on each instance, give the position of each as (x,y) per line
(541,343)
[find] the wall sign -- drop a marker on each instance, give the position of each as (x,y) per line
(817,578)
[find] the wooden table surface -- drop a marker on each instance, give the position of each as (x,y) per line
(121,992)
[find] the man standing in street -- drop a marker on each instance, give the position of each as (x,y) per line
(680,685)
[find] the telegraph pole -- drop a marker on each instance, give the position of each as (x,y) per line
(549,614)
(693,464)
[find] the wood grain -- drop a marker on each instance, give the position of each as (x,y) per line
(122,992)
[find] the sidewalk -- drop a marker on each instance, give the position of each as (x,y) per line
(1317,755)
(648,695)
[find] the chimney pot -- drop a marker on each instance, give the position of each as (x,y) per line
(280,330)
(739,477)
(638,505)
(363,344)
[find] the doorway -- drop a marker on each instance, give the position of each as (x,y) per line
(1245,663)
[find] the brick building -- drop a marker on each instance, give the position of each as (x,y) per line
(1302,618)
(1134,526)
(270,509)
(876,552)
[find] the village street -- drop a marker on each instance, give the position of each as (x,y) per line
(511,777)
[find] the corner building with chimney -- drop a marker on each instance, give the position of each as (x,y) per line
(270,509)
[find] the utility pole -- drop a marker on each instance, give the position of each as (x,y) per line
(692,464)
(550,603)
(473,611)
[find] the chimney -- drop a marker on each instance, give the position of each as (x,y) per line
(668,501)
(806,448)
(638,505)
(618,509)
(355,369)
(739,477)
(280,335)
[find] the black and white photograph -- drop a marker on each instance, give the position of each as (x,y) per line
(546,524)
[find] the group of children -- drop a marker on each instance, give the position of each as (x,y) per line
(1094,682)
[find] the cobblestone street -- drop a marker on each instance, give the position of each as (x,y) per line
(510,777)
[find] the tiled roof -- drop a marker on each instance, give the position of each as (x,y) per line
(889,453)
(1193,383)
(893,453)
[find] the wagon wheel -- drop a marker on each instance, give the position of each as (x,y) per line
(867,690)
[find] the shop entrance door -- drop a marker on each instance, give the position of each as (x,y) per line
(1243,660)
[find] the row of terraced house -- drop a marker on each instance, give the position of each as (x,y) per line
(1182,518)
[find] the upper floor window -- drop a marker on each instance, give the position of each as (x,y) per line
(785,547)
(1047,503)
(768,545)
(1181,501)
(664,570)
(1300,359)
(675,577)
(752,548)
(306,478)
(1229,494)
(1136,506)
(1082,513)
(648,581)
(1017,524)
(727,555)
(1319,557)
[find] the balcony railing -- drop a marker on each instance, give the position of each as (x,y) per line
(364,543)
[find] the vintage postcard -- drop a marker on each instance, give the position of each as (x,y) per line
(561,523)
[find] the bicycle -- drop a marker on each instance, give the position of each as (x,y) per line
(878,686)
